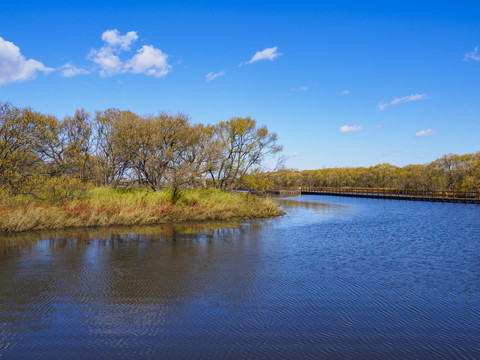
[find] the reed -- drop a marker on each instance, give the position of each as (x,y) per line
(101,206)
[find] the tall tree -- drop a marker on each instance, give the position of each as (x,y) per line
(243,146)
(112,143)
(154,141)
(23,134)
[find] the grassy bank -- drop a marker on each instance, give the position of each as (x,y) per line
(107,207)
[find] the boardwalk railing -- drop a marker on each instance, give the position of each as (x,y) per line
(399,194)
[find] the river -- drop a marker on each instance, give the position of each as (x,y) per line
(335,278)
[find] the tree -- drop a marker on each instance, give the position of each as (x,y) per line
(76,142)
(23,133)
(194,151)
(152,145)
(112,144)
(242,147)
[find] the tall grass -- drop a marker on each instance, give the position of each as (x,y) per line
(132,206)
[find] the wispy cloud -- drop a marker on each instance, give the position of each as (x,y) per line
(344,92)
(473,55)
(148,60)
(69,70)
(350,128)
(266,54)
(402,100)
(212,76)
(15,67)
(295,154)
(425,133)
(301,88)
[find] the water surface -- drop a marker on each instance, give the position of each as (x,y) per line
(335,277)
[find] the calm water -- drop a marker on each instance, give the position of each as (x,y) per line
(334,278)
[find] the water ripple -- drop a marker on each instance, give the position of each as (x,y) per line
(345,279)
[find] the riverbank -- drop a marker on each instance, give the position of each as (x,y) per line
(140,206)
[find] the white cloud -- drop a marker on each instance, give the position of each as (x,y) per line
(108,60)
(425,133)
(107,57)
(149,61)
(114,39)
(402,100)
(350,128)
(211,75)
(266,54)
(14,67)
(344,92)
(295,154)
(473,55)
(69,70)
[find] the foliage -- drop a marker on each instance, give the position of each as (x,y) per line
(23,134)
(101,206)
(61,189)
(460,172)
(120,147)
(242,146)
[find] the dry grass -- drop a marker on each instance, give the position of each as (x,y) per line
(107,207)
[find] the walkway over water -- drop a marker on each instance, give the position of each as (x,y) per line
(471,197)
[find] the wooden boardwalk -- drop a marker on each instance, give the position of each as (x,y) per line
(455,196)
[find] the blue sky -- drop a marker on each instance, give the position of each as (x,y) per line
(344,83)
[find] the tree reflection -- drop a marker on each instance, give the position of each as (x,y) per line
(100,279)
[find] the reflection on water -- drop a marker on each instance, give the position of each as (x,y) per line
(16,241)
(318,206)
(333,278)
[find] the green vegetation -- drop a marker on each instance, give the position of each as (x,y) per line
(459,172)
(114,147)
(66,173)
(132,206)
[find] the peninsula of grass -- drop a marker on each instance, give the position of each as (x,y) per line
(101,206)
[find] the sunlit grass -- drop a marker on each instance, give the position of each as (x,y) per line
(132,206)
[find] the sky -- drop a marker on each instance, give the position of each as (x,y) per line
(342,83)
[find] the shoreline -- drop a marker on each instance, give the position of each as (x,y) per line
(106,207)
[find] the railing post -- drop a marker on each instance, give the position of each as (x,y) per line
(412,194)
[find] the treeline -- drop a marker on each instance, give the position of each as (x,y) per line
(113,147)
(460,172)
